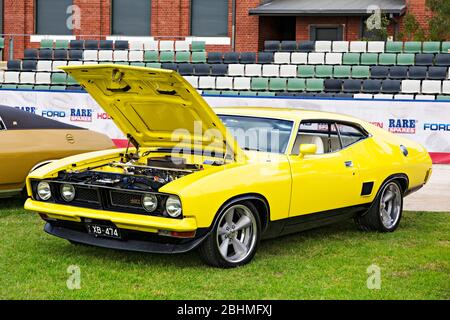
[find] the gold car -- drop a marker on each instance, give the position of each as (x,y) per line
(29,141)
(219,181)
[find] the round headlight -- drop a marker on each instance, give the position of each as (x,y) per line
(173,206)
(43,190)
(149,202)
(67,192)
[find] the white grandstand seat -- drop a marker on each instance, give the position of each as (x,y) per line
(282,57)
(43,78)
(375,46)
(383,96)
(44,65)
(253,70)
(410,86)
(363,96)
(136,45)
(333,58)
(425,97)
(207,82)
(120,55)
(431,86)
(90,63)
(299,58)
(151,45)
(57,64)
(236,70)
(200,92)
(28,77)
(166,45)
(90,55)
(2,76)
(241,84)
(182,46)
(288,70)
(224,83)
(323,46)
(358,46)
(271,70)
(12,76)
(340,46)
(316,58)
(193,80)
(136,56)
(446,87)
(404,97)
(75,63)
(105,55)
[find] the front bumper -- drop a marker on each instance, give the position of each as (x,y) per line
(128,221)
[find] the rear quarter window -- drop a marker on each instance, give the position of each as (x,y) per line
(350,134)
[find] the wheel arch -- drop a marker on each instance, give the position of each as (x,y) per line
(258,200)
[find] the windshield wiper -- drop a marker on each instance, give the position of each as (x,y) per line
(252,149)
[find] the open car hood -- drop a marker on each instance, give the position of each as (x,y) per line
(156,108)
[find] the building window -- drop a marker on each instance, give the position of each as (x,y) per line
(52,17)
(131,18)
(209,18)
(326,33)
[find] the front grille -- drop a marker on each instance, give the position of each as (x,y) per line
(86,195)
(126,199)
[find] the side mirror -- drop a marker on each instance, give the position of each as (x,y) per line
(306,149)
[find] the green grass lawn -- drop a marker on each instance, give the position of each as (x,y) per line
(326,263)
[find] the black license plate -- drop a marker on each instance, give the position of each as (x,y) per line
(103,231)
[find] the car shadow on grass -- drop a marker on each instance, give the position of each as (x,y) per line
(278,246)
(10,206)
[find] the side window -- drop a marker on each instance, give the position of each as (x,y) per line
(323,134)
(350,134)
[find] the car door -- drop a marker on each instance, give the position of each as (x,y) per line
(326,180)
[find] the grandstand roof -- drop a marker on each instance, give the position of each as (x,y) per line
(328,7)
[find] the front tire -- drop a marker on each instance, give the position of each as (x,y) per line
(385,214)
(235,237)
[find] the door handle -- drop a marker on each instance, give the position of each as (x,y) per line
(348,164)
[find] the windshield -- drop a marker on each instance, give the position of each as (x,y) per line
(259,134)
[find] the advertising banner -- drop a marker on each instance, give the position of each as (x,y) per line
(427,122)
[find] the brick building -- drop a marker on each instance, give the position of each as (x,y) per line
(242,25)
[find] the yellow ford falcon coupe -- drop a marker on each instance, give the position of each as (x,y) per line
(219,181)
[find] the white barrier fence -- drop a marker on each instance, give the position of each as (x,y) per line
(427,122)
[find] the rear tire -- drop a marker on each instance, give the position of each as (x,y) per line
(386,212)
(235,237)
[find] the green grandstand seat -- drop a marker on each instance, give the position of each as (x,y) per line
(211,92)
(151,56)
(369,59)
(277,84)
(443,98)
(41,87)
(445,47)
(198,57)
(46,44)
(324,71)
(138,64)
(155,65)
(229,93)
(360,72)
(394,46)
(58,78)
(248,93)
(314,85)
(2,43)
(431,47)
(405,59)
(9,86)
(62,44)
(296,84)
(58,88)
(183,57)
(260,84)
(266,94)
(342,72)
(387,59)
(351,58)
(167,56)
(71,81)
(25,86)
(306,71)
(413,47)
(197,46)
